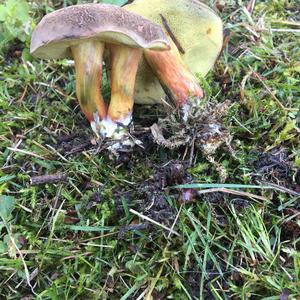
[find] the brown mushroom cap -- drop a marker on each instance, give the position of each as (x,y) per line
(66,27)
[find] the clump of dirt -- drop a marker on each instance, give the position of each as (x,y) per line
(76,143)
(73,143)
(155,204)
(193,278)
(172,173)
(149,197)
(290,225)
(14,52)
(275,166)
(200,126)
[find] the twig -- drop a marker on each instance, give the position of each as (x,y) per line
(289,23)
(285,30)
(57,153)
(43,179)
(25,152)
(79,148)
(27,274)
(242,125)
(23,95)
(75,256)
(171,34)
(192,151)
(229,191)
(42,147)
(153,221)
(15,146)
(281,188)
(243,84)
(227,36)
(141,296)
(175,221)
(53,87)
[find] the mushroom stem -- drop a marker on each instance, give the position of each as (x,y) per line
(177,81)
(124,63)
(88,58)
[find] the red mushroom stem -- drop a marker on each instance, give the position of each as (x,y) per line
(177,81)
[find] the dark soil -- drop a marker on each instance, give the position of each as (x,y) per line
(274,166)
(149,196)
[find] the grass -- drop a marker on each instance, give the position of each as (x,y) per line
(78,238)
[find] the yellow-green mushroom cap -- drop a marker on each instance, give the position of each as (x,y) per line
(58,31)
(198,30)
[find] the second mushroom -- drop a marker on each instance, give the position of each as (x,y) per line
(195,33)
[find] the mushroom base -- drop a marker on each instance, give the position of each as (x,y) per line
(177,81)
(88,58)
(112,129)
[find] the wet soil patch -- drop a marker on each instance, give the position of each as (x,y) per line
(275,166)
(150,197)
(73,144)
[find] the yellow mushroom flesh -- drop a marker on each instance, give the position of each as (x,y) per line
(88,59)
(124,62)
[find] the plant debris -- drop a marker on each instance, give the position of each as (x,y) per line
(51,178)
(201,127)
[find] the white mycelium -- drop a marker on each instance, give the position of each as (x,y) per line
(110,128)
(188,106)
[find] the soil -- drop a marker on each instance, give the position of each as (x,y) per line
(73,143)
(274,166)
(149,196)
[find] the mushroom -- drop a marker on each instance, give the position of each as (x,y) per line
(195,34)
(83,32)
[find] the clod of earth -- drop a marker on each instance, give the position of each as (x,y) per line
(84,32)
(149,196)
(195,35)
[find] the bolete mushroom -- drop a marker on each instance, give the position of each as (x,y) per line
(83,32)
(195,34)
